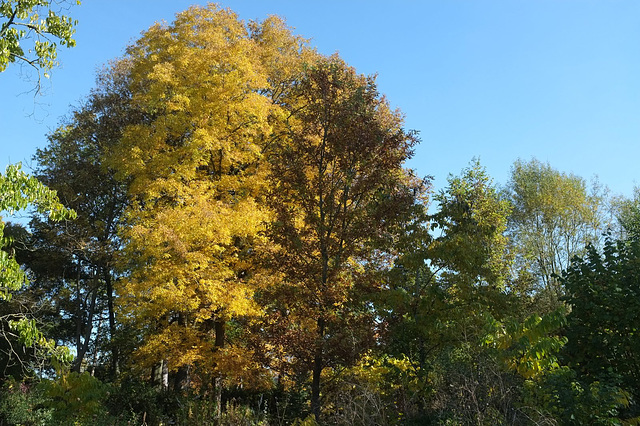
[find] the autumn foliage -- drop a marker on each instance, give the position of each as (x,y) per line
(251,248)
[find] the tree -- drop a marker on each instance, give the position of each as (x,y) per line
(440,295)
(21,20)
(472,221)
(73,264)
(461,269)
(627,213)
(603,290)
(19,191)
(196,184)
(340,198)
(554,216)
(37,21)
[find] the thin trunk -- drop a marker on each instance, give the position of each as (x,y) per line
(76,364)
(165,374)
(318,361)
(95,352)
(155,376)
(181,377)
(83,346)
(217,381)
(164,366)
(115,370)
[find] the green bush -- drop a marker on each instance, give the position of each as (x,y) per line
(23,404)
(75,398)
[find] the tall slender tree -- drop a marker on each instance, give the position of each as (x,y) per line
(340,195)
(73,263)
(554,216)
(441,291)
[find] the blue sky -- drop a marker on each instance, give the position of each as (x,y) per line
(558,80)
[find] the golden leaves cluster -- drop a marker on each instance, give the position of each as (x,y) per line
(193,161)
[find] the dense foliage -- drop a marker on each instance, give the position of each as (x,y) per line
(31,32)
(249,248)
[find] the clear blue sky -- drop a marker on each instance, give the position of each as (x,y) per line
(558,80)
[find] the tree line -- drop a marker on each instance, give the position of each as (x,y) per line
(242,243)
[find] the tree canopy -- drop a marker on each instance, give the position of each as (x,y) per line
(251,248)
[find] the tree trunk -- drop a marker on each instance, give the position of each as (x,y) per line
(217,381)
(165,375)
(155,374)
(83,339)
(115,370)
(317,370)
(80,352)
(181,378)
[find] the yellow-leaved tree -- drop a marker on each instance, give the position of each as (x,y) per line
(205,85)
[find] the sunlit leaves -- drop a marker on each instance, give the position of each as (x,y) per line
(197,178)
(554,216)
(340,199)
(30,31)
(19,191)
(472,220)
(530,347)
